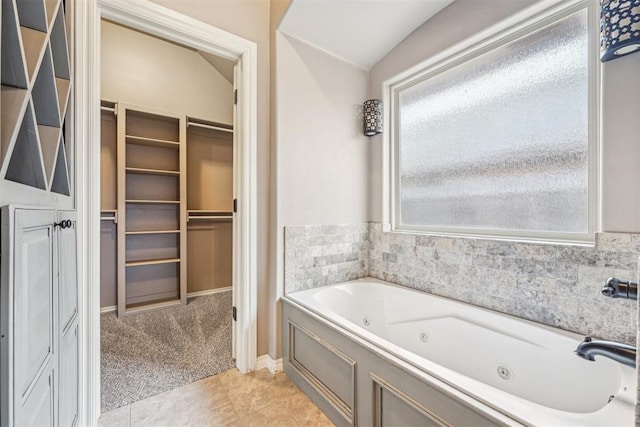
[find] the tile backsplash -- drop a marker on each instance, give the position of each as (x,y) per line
(555,284)
(319,255)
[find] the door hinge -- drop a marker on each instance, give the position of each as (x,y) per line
(234,313)
(235,205)
(235,96)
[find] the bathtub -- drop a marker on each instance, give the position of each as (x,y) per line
(510,370)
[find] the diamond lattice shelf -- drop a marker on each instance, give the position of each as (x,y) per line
(26,165)
(36,84)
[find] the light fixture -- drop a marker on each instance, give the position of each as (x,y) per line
(619,28)
(372,117)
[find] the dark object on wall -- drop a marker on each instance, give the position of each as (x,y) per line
(619,28)
(372,117)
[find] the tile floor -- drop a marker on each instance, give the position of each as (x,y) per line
(258,399)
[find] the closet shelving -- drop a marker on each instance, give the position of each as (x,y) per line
(36,83)
(154,213)
(151,208)
(210,204)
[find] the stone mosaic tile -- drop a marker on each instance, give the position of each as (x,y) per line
(320,255)
(555,284)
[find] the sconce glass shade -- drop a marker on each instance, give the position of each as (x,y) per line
(372,117)
(619,28)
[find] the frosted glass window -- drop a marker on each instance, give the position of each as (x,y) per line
(500,142)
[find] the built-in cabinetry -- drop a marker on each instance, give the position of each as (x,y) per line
(39,318)
(36,82)
(167,201)
(151,202)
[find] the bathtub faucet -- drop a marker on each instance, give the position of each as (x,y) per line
(616,288)
(623,353)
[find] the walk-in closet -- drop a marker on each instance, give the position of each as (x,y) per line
(167,201)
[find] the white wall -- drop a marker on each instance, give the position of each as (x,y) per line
(322,157)
(143,70)
(322,154)
(620,174)
(621,144)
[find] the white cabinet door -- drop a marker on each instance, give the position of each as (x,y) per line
(68,276)
(29,344)
(68,383)
(68,309)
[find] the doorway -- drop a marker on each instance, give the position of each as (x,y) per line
(169,25)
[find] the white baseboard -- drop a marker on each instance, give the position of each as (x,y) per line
(265,361)
(110,308)
(208,292)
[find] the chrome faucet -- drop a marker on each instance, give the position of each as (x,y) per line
(616,288)
(623,353)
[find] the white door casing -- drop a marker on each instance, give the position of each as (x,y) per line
(159,21)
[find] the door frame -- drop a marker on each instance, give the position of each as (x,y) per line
(160,21)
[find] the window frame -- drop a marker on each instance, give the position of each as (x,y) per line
(547,12)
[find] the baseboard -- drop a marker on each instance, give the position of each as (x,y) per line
(273,365)
(111,308)
(208,292)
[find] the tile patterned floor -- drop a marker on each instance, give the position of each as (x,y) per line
(258,399)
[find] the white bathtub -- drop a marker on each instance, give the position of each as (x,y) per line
(522,369)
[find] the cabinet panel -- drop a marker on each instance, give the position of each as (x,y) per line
(33,303)
(68,283)
(393,407)
(329,370)
(38,409)
(68,385)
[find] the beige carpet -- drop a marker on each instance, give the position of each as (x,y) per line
(148,353)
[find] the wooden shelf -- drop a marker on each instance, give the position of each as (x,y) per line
(62,88)
(13,105)
(49,139)
(152,262)
(208,212)
(44,94)
(59,53)
(50,6)
(32,14)
(152,142)
(152,171)
(141,308)
(137,233)
(156,202)
(33,41)
(210,218)
(60,182)
(25,164)
(13,66)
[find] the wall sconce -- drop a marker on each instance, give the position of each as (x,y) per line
(619,28)
(372,116)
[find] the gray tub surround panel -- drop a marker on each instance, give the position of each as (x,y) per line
(373,388)
(319,255)
(554,284)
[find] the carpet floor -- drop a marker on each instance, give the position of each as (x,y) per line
(148,353)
